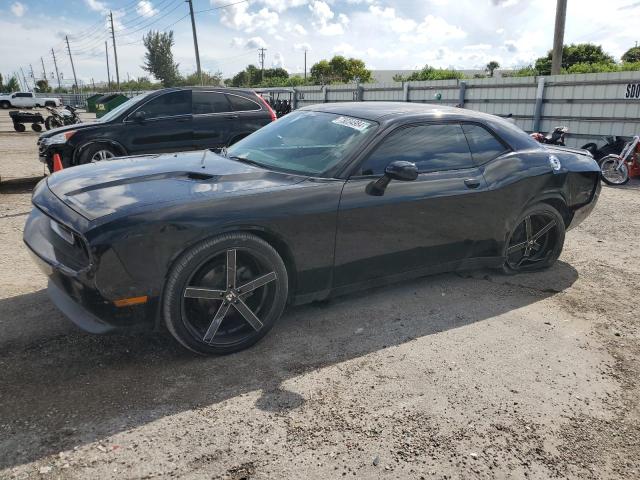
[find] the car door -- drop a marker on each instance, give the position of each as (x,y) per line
(21,100)
(166,126)
(212,119)
(431,223)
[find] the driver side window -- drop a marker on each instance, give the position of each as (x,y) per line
(431,147)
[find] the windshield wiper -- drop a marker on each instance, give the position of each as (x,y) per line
(246,160)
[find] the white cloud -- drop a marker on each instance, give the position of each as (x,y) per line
(18,9)
(278,61)
(96,5)
(302,46)
(391,19)
(344,49)
(282,5)
(145,8)
(322,16)
(434,30)
(255,42)
(299,29)
(344,20)
(238,17)
(478,47)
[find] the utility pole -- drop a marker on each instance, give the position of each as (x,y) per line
(44,70)
(305,64)
(93,84)
(195,39)
(115,52)
(106,52)
(558,37)
(261,57)
(33,77)
(55,64)
(75,79)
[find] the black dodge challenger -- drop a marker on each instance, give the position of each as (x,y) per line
(327,200)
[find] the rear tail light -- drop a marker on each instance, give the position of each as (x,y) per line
(268,107)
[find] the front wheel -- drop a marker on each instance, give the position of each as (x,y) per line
(97,153)
(537,240)
(225,294)
(4,104)
(614,170)
(50,122)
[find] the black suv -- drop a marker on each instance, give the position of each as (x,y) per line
(168,120)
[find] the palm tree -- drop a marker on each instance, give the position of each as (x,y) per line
(491,66)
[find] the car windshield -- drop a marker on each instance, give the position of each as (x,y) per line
(304,142)
(122,107)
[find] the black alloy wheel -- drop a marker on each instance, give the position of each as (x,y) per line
(225,294)
(537,240)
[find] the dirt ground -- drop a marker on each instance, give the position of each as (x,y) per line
(20,154)
(464,376)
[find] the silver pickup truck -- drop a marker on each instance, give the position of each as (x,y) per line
(27,100)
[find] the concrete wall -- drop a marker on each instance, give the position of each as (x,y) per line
(591,105)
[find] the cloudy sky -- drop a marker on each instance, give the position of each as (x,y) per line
(387,34)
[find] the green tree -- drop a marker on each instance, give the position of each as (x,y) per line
(159,57)
(12,85)
(491,66)
(631,55)
(573,54)
(340,69)
(430,73)
(42,86)
(205,79)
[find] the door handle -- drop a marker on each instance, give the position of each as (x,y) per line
(472,183)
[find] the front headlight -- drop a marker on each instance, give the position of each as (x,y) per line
(59,138)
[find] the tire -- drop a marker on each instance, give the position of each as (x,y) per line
(545,223)
(36,127)
(192,317)
(50,104)
(50,123)
(97,152)
(610,175)
(5,104)
(19,127)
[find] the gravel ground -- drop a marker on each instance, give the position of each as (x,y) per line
(476,375)
(20,158)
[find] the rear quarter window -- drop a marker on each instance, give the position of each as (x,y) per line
(242,104)
(483,144)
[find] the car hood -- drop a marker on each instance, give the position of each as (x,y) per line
(75,126)
(127,184)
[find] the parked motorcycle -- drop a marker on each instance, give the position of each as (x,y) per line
(616,169)
(612,146)
(61,117)
(554,137)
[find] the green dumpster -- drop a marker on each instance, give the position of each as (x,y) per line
(107,103)
(91,102)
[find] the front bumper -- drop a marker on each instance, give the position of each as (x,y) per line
(45,154)
(72,283)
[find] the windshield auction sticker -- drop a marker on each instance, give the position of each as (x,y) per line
(354,123)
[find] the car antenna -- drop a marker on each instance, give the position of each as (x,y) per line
(204,155)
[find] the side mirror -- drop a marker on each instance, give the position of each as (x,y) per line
(398,170)
(139,116)
(401,170)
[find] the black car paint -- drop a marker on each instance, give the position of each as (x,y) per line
(334,238)
(127,136)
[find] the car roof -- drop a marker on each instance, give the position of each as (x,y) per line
(387,113)
(210,87)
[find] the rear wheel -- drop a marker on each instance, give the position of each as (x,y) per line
(614,170)
(225,294)
(537,240)
(36,127)
(5,104)
(19,127)
(49,104)
(50,122)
